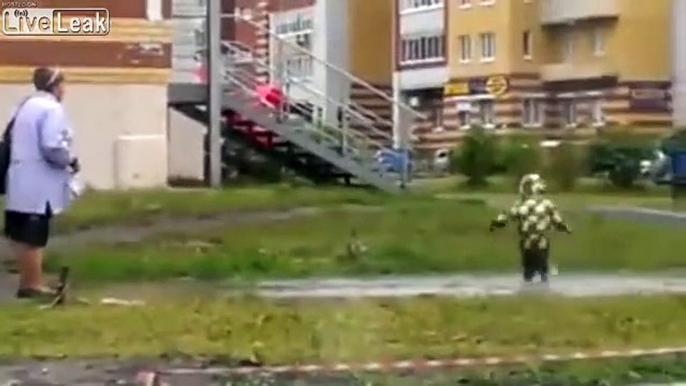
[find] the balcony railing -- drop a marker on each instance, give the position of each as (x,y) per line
(556,72)
(569,11)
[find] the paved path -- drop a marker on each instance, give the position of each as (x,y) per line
(124,373)
(647,215)
(571,284)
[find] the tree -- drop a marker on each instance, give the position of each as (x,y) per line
(476,157)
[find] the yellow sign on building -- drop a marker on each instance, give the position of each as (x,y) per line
(496,85)
(456,88)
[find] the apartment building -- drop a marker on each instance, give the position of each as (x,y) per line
(420,60)
(554,64)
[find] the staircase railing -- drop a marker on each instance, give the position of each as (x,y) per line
(375,119)
(349,143)
(375,90)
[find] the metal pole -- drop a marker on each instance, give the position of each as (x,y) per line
(214,89)
(679,62)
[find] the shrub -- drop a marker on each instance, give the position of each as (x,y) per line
(565,166)
(521,155)
(476,157)
(625,172)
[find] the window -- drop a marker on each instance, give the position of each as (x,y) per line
(569,112)
(465,4)
(153,10)
(533,112)
(408,5)
(486,113)
(299,66)
(597,115)
(526,44)
(598,42)
(422,49)
(568,47)
(464,118)
(487,47)
(465,48)
(436,116)
(200,36)
(464,115)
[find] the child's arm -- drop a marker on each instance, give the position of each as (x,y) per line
(556,218)
(504,217)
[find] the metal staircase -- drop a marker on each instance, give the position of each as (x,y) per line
(324,147)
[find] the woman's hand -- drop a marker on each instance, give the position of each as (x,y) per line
(75,165)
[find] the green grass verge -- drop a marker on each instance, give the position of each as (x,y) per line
(283,332)
(407,237)
(144,207)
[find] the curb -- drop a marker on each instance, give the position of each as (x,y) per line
(423,364)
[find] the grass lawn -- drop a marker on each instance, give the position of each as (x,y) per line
(143,207)
(408,237)
(285,332)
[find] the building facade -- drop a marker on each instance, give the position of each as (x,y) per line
(116,92)
(554,66)
(420,60)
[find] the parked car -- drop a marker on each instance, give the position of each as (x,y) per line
(394,160)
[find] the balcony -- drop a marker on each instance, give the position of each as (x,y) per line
(556,72)
(554,12)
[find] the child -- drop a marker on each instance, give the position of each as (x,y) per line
(535,216)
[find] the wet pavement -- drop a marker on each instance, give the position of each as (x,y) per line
(645,215)
(131,373)
(571,285)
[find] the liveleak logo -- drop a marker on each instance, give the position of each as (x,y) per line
(55,21)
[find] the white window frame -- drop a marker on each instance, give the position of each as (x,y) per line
(598,42)
(486,113)
(153,10)
(417,49)
(465,4)
(465,43)
(597,113)
(410,6)
(527,43)
(532,112)
(570,109)
(485,46)
(465,115)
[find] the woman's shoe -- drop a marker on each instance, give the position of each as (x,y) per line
(36,293)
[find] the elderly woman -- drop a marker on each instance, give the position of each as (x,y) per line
(535,216)
(39,177)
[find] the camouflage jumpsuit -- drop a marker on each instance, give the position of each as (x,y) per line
(535,217)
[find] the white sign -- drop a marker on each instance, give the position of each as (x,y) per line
(55,21)
(464,106)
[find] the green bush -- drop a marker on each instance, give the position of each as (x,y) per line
(566,166)
(625,172)
(476,157)
(521,155)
